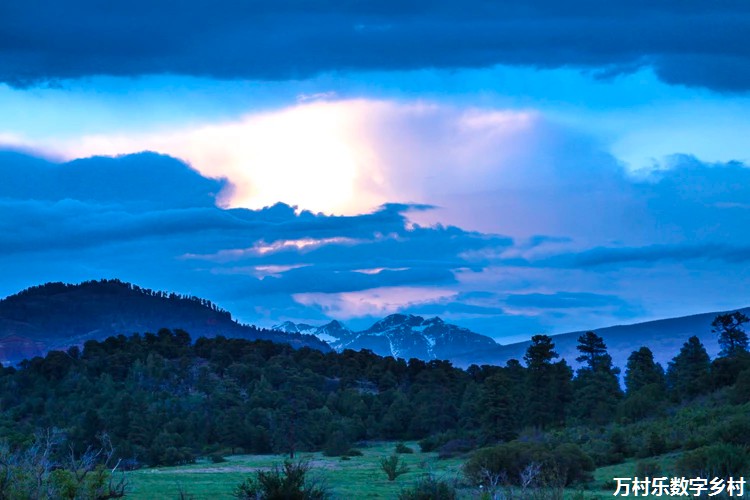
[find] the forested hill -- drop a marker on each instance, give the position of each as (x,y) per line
(57,315)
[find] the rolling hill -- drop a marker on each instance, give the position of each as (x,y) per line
(58,315)
(664,337)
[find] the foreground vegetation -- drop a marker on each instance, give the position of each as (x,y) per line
(160,400)
(358,477)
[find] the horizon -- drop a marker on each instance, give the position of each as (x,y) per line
(510,168)
(362,327)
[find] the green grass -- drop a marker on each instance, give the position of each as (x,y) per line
(359,477)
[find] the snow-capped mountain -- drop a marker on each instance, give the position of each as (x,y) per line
(334,333)
(399,335)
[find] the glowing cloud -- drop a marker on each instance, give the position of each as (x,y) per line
(344,157)
(373,302)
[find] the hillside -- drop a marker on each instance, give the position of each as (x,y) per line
(664,337)
(58,315)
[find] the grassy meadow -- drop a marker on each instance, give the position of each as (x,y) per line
(359,477)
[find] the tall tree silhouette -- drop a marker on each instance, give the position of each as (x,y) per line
(547,383)
(596,387)
(688,374)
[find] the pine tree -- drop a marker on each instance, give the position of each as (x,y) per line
(498,409)
(688,374)
(547,383)
(642,371)
(732,337)
(596,388)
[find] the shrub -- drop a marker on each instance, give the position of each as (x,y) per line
(393,467)
(655,445)
(560,466)
(429,488)
(717,460)
(290,481)
(435,441)
(740,392)
(455,447)
(337,444)
(735,431)
(217,458)
(647,468)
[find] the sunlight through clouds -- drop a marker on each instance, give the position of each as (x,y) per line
(339,157)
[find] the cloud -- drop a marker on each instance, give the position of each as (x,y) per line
(690,43)
(168,236)
(579,224)
(343,157)
(374,302)
(147,179)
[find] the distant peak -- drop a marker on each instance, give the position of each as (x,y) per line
(291,327)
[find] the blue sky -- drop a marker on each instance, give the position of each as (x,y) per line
(514,167)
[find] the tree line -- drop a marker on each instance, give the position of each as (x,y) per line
(162,399)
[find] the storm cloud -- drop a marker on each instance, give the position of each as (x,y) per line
(153,220)
(687,42)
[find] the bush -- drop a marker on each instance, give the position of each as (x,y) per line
(717,460)
(216,458)
(337,444)
(735,431)
(655,445)
(455,447)
(647,468)
(290,482)
(429,488)
(435,441)
(740,392)
(393,467)
(402,448)
(560,466)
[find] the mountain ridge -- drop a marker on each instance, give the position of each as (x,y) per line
(663,336)
(57,315)
(398,335)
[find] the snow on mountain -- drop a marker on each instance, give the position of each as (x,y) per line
(399,335)
(333,333)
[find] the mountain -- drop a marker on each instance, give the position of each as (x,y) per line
(334,333)
(399,335)
(58,315)
(664,337)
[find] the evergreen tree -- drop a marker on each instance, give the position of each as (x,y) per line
(646,386)
(688,374)
(642,371)
(547,383)
(498,409)
(596,389)
(732,337)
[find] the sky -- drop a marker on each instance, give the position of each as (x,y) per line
(515,167)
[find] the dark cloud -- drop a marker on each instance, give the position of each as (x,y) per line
(146,179)
(151,219)
(688,42)
(649,255)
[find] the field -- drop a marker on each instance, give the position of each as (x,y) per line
(359,477)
